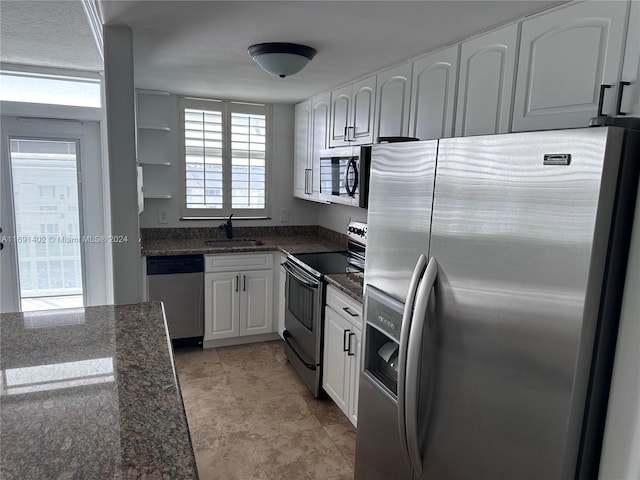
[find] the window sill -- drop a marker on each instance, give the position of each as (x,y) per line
(225,218)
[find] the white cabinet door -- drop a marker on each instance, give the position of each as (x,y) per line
(487,66)
(335,365)
(221,308)
(393,95)
(301,188)
(630,101)
(354,375)
(352,113)
(362,113)
(340,116)
(565,55)
(320,107)
(433,93)
(255,302)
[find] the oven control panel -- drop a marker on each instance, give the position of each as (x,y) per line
(357,232)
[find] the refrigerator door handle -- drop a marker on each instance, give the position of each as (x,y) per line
(413,364)
(418,272)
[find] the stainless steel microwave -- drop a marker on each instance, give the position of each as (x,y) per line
(344,175)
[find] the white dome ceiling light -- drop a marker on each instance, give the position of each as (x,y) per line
(281,59)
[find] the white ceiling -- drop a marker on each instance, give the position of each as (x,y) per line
(200,47)
(48,34)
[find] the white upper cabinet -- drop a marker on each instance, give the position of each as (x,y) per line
(352,108)
(565,56)
(487,66)
(301,187)
(364,99)
(630,100)
(320,108)
(393,99)
(433,94)
(340,116)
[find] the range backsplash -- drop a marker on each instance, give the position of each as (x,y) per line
(243,232)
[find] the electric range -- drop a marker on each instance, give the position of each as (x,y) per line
(304,310)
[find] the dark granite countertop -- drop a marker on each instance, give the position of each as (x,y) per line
(91,394)
(196,246)
(349,283)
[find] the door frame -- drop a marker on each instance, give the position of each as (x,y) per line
(88,131)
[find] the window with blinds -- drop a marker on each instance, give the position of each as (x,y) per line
(225,152)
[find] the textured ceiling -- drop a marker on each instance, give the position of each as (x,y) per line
(47,33)
(200,47)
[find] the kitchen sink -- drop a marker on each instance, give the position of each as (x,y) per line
(239,242)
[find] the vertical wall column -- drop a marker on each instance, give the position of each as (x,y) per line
(120,109)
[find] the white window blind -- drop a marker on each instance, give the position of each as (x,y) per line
(248,167)
(225,152)
(203,158)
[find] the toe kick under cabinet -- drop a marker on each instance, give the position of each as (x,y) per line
(238,297)
(341,360)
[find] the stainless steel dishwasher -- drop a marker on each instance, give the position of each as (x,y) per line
(178,282)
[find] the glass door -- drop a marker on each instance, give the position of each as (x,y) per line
(45,191)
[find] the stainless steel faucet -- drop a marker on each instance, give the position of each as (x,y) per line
(228,227)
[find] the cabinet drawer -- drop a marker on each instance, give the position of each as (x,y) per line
(238,261)
(346,306)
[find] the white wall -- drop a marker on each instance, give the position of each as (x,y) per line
(301,212)
(337,217)
(621,449)
(120,100)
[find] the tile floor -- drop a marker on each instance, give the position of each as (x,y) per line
(252,418)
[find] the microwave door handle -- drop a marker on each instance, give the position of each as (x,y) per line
(418,273)
(413,366)
(351,190)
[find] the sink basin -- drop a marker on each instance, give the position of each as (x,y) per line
(238,242)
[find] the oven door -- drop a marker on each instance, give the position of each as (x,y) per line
(302,322)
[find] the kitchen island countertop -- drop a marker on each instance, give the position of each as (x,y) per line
(91,393)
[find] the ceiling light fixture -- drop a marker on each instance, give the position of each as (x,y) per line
(281,59)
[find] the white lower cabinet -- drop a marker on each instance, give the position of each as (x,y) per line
(238,295)
(342,344)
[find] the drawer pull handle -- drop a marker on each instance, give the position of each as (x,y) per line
(346,309)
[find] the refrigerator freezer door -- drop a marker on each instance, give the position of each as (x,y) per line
(399,217)
(520,247)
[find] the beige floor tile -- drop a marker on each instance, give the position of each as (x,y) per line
(325,410)
(197,363)
(309,455)
(252,418)
(253,356)
(344,437)
(206,391)
(281,415)
(260,384)
(236,462)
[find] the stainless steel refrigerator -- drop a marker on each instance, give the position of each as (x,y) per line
(493,280)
